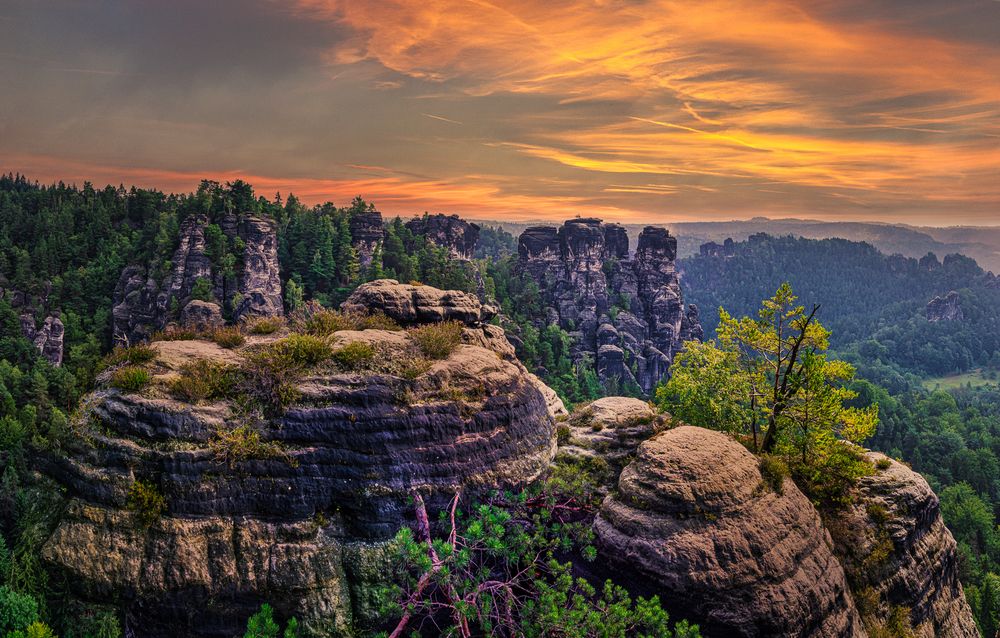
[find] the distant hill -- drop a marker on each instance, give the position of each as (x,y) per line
(980,243)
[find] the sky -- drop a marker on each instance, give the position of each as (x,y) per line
(630,110)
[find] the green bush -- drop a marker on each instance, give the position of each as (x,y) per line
(203,379)
(230,337)
(375,321)
(322,322)
(17,610)
(356,355)
(133,355)
(202,290)
(242,443)
(412,367)
(130,378)
(303,350)
(883,464)
(146,501)
(437,340)
(773,471)
(263,625)
(265,326)
(34,630)
(562,434)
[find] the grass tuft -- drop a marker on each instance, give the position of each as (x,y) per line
(130,378)
(437,340)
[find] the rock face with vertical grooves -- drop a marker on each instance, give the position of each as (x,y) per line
(627,314)
(301,525)
(367,233)
(143,304)
(892,542)
(448,231)
(693,519)
(947,308)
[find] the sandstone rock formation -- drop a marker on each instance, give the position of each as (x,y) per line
(298,522)
(448,231)
(201,315)
(898,552)
(694,519)
(609,429)
(48,337)
(947,308)
(367,234)
(627,314)
(714,249)
(143,305)
(408,304)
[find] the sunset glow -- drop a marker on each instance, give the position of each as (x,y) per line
(653,110)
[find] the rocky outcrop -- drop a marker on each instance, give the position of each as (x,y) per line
(47,337)
(609,429)
(947,308)
(260,275)
(300,521)
(367,234)
(627,315)
(202,316)
(695,520)
(448,231)
(409,304)
(898,552)
(144,304)
(715,249)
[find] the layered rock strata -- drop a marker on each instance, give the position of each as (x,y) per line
(898,552)
(300,520)
(627,315)
(693,518)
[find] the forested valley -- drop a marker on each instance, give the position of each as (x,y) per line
(63,249)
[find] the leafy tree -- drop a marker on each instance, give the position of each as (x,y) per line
(263,625)
(768,379)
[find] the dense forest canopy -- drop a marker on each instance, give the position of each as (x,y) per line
(63,248)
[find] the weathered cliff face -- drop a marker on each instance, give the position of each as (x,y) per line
(627,315)
(143,305)
(693,518)
(448,231)
(898,552)
(48,336)
(367,233)
(947,308)
(301,525)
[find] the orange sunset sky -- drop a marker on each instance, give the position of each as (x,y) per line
(646,110)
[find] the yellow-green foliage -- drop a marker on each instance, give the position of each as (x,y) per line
(134,355)
(242,443)
(437,340)
(356,355)
(883,464)
(146,501)
(773,471)
(324,322)
(265,326)
(230,337)
(130,378)
(203,379)
(303,350)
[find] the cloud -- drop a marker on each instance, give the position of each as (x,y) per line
(640,109)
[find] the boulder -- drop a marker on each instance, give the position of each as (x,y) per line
(203,316)
(611,429)
(694,520)
(409,304)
